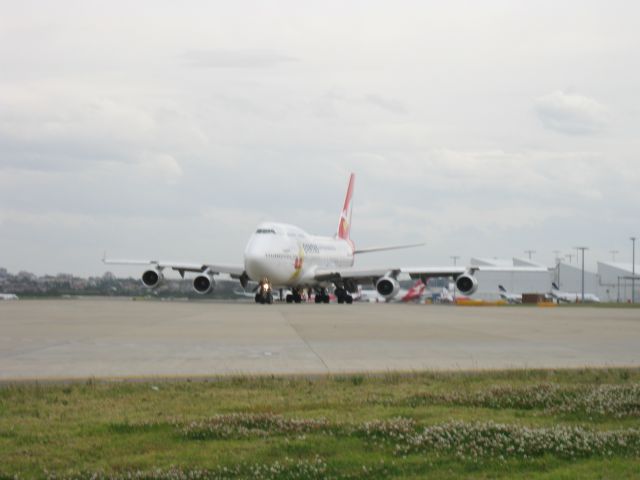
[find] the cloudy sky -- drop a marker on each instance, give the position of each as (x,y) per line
(169,129)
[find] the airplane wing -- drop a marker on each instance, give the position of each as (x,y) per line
(359,276)
(385,248)
(235,271)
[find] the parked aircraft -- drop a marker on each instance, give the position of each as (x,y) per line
(560,296)
(280,255)
(450,295)
(509,297)
(414,294)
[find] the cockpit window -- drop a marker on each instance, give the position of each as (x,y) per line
(266,230)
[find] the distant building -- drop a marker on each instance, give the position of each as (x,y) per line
(569,279)
(516,275)
(615,281)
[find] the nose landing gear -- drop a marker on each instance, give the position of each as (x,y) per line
(265,292)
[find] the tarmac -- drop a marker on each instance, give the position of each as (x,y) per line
(50,340)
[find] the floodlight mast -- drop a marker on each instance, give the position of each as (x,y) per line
(582,249)
(455,262)
(633,270)
(558,260)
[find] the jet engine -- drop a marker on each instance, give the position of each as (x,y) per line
(388,287)
(203,284)
(467,284)
(152,278)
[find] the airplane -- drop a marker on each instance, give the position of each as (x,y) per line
(509,297)
(449,295)
(414,294)
(559,296)
(279,255)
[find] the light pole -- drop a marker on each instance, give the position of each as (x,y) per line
(455,262)
(583,249)
(558,260)
(569,256)
(633,270)
(529,252)
(613,254)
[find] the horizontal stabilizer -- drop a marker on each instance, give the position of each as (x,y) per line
(391,247)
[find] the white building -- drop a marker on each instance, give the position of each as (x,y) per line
(515,275)
(615,280)
(569,279)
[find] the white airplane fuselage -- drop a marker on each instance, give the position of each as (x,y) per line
(574,297)
(288,256)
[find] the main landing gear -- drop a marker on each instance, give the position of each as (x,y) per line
(343,296)
(264,293)
(322,296)
(295,296)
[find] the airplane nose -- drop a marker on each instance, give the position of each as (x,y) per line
(255,263)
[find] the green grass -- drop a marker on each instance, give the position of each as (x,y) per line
(566,423)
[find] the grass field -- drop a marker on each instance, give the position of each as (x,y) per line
(511,424)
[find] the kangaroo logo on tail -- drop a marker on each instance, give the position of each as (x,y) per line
(344,225)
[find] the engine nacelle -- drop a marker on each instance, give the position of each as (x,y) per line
(152,278)
(203,284)
(388,287)
(467,284)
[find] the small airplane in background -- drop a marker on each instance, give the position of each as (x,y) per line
(449,294)
(512,298)
(560,296)
(414,294)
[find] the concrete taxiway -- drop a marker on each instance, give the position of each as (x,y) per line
(75,339)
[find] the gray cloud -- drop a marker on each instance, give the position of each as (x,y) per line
(571,113)
(105,143)
(389,104)
(220,58)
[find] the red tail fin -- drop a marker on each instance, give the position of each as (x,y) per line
(344,225)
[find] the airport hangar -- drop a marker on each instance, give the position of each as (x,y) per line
(611,283)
